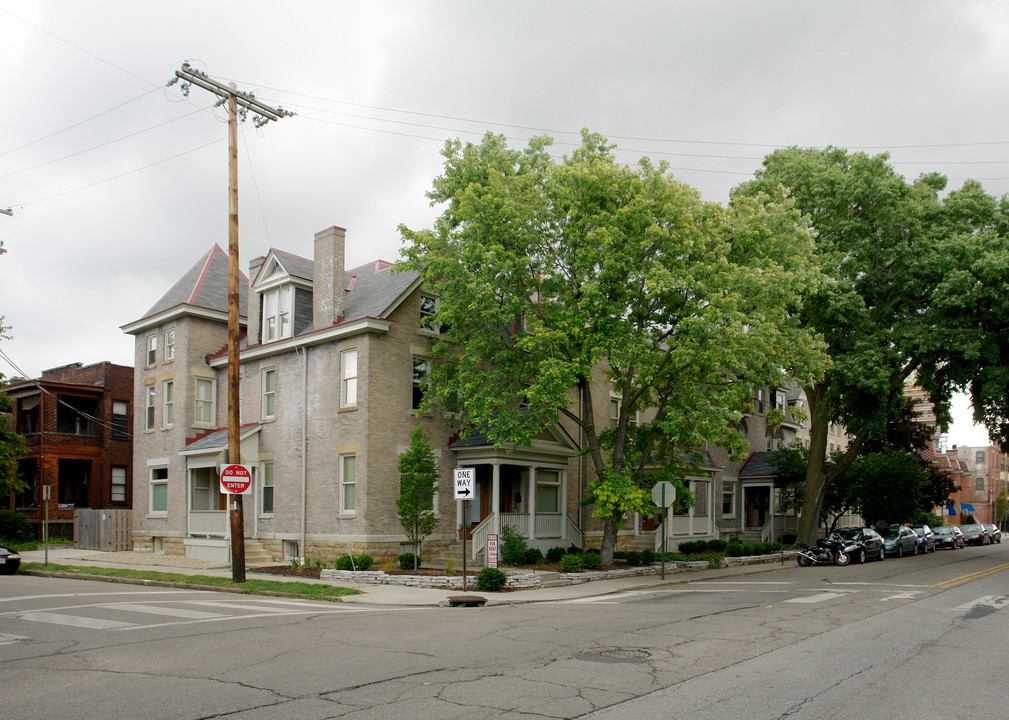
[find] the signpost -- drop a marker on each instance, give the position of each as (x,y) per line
(664,495)
(464,480)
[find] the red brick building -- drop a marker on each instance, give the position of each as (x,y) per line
(77,422)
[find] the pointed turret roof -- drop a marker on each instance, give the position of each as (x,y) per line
(204,285)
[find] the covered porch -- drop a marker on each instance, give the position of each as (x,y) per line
(526,488)
(208,522)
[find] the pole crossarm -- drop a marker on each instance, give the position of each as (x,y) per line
(262,113)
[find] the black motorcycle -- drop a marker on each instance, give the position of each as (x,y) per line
(826,552)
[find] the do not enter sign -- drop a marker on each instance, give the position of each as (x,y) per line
(236,479)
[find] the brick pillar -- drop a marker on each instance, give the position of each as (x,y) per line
(328,277)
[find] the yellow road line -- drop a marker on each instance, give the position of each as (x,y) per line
(953,582)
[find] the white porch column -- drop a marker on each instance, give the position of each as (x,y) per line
(532,502)
(563,502)
(495,500)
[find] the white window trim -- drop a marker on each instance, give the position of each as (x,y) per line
(168,404)
(425,315)
(169,352)
(262,488)
(152,349)
(348,398)
(281,316)
(113,484)
(212,423)
(149,404)
(151,512)
(343,485)
(263,394)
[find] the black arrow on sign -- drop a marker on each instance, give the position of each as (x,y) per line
(464,492)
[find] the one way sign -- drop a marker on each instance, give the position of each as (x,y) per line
(464,478)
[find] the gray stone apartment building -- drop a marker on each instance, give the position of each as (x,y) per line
(331,360)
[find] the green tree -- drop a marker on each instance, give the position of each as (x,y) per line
(916,285)
(12,444)
(556,275)
(418,482)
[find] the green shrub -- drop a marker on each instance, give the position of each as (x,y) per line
(534,556)
(554,554)
(491,580)
(691,547)
(717,545)
(15,527)
(343,563)
(647,557)
(571,563)
(592,560)
(406,561)
(359,562)
(633,557)
(734,549)
(513,547)
(715,561)
(363,562)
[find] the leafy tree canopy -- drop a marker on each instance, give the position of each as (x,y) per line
(554,274)
(418,482)
(12,444)
(916,284)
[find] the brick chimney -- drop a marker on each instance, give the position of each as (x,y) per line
(328,277)
(252,312)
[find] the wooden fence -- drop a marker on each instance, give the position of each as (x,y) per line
(107,530)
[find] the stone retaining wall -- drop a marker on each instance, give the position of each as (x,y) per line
(526,580)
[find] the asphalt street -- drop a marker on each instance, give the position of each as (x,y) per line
(898,638)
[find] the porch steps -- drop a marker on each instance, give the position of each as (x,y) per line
(256,554)
(453,553)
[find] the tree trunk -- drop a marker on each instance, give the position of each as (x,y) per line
(816,485)
(609,544)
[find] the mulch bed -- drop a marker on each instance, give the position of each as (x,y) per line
(311,572)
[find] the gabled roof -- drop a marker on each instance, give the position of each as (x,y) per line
(204,285)
(375,291)
(294,266)
(760,464)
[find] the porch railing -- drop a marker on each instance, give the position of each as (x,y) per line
(548,527)
(209,523)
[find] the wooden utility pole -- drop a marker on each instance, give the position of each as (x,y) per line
(233,98)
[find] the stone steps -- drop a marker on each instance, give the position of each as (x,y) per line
(256,553)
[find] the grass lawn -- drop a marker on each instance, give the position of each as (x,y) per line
(309,591)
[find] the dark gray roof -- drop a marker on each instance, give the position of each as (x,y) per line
(218,439)
(295,265)
(760,464)
(373,289)
(204,285)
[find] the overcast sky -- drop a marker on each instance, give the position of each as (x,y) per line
(118,184)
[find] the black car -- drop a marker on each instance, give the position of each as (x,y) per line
(948,536)
(10,561)
(861,543)
(994,533)
(975,534)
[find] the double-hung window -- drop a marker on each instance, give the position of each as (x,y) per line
(348,376)
(202,489)
(118,485)
(169,344)
(420,368)
(152,349)
(428,307)
(204,406)
(149,418)
(348,483)
(266,492)
(169,409)
(159,491)
(548,491)
(269,392)
(276,314)
(120,419)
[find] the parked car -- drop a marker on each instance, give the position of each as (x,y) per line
(975,534)
(10,561)
(993,532)
(864,543)
(926,538)
(948,536)
(899,540)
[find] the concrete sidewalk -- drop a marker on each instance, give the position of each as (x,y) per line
(394,595)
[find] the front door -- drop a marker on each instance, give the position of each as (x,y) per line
(757,500)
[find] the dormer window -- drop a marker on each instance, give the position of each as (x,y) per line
(277,314)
